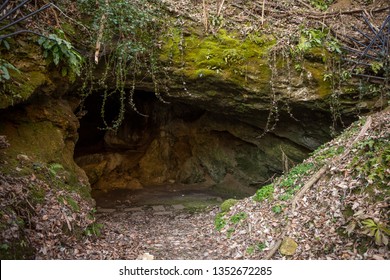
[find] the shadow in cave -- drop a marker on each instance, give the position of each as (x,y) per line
(114,161)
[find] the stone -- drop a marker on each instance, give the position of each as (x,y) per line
(288,247)
(23,158)
(178,207)
(158,208)
(145,256)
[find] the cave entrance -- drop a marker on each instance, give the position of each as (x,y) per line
(182,154)
(176,155)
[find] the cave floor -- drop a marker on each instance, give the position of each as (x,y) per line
(176,196)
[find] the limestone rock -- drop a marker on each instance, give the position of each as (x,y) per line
(288,247)
(44,131)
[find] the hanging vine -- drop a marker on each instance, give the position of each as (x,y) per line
(126,46)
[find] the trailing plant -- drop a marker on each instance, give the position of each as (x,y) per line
(129,32)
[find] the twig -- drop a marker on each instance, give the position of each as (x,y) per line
(311,182)
(220,8)
(305,4)
(274,249)
(100,35)
(205,17)
(262,13)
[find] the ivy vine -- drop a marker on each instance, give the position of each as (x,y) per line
(127,45)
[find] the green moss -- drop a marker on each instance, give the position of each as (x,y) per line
(227,204)
(317,71)
(223,54)
(22,86)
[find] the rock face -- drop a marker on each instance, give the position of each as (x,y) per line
(34,79)
(45,132)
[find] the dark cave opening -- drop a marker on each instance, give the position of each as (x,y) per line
(93,126)
(178,151)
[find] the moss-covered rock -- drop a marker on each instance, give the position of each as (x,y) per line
(34,76)
(45,133)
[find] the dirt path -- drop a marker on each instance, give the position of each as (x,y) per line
(175,234)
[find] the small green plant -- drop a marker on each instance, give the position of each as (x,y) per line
(61,53)
(67,200)
(372,161)
(229,232)
(285,196)
(277,209)
(376,66)
(258,247)
(261,246)
(54,168)
(250,250)
(220,221)
(236,218)
(264,193)
(289,180)
(322,5)
(379,231)
(95,229)
(309,38)
(324,154)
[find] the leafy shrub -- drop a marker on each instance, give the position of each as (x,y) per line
(61,53)
(379,231)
